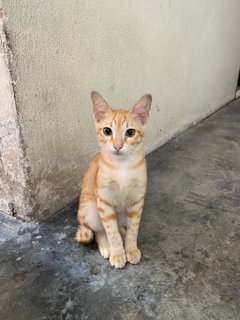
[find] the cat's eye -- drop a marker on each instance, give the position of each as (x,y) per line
(130,133)
(107,131)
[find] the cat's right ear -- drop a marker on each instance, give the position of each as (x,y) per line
(100,106)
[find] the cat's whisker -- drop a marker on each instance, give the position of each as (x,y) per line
(133,156)
(93,150)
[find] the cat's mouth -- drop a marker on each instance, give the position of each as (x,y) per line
(118,152)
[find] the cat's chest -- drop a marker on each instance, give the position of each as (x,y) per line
(123,183)
(125,186)
(123,178)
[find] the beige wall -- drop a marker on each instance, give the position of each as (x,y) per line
(185,52)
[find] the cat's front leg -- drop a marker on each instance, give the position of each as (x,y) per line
(134,214)
(109,219)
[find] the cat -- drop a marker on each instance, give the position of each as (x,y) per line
(114,185)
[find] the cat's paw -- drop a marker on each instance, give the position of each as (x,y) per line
(104,250)
(117,260)
(133,256)
(84,235)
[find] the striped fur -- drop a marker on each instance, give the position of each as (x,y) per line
(114,185)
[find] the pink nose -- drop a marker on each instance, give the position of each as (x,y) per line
(117,148)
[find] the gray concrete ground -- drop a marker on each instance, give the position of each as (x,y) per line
(189,238)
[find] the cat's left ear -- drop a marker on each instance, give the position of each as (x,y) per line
(100,106)
(142,108)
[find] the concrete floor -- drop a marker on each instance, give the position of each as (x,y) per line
(189,237)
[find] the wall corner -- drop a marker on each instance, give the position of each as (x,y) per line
(15,197)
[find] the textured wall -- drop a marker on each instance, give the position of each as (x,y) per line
(185,52)
(14,193)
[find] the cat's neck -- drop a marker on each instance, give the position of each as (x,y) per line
(124,159)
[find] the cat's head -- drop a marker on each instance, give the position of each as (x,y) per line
(120,132)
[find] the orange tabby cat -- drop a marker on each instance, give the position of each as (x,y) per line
(114,186)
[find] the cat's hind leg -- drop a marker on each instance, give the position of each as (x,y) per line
(85,231)
(90,223)
(103,244)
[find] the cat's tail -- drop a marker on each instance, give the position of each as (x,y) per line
(84,235)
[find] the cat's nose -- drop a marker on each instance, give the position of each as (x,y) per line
(117,147)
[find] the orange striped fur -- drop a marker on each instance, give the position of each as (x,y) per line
(114,185)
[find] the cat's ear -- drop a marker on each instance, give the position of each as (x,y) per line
(100,106)
(141,108)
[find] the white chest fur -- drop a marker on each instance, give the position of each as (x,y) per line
(124,185)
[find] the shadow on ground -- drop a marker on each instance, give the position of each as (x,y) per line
(189,238)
